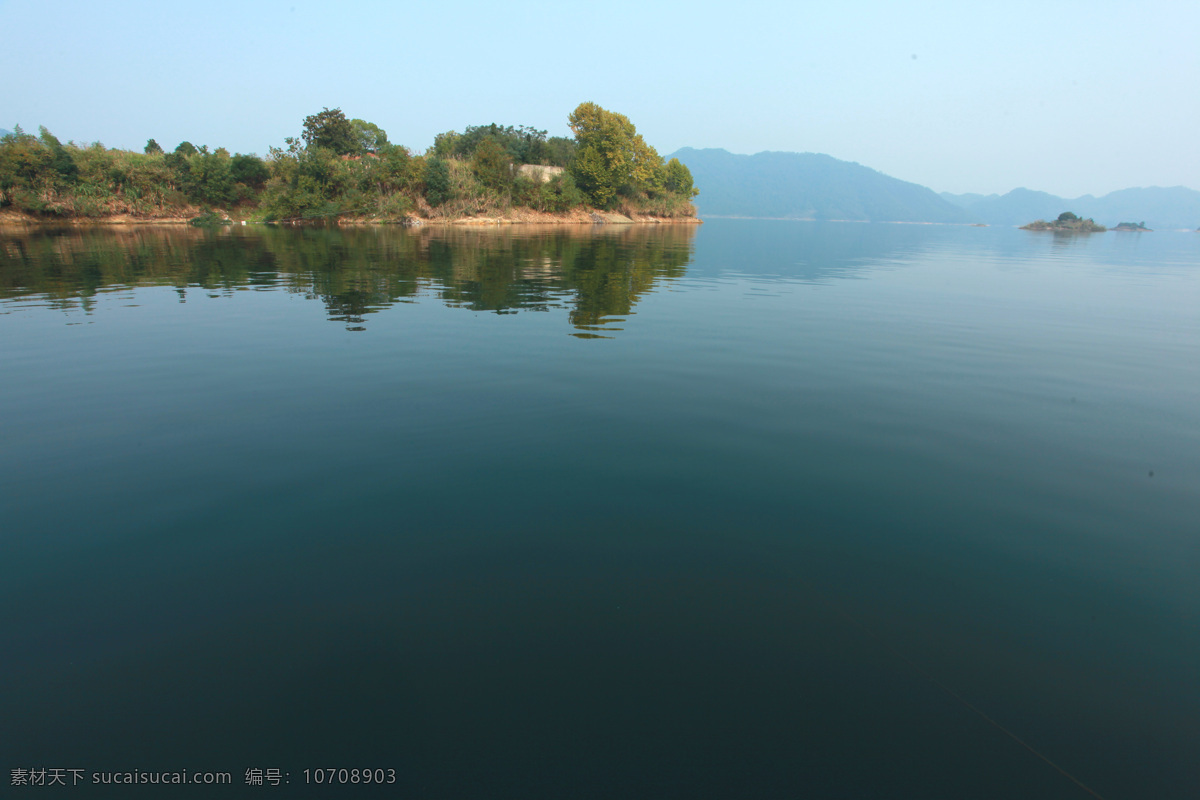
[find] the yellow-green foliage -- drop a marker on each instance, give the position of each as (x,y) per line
(614,164)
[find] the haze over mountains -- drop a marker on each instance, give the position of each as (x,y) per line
(1160,208)
(815,186)
(808,186)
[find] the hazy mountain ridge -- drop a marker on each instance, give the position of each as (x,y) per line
(1160,208)
(808,186)
(816,186)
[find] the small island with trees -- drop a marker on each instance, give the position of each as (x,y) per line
(346,170)
(1132,226)
(1067,222)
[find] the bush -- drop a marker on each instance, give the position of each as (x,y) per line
(23,160)
(398,170)
(210,178)
(208,219)
(492,166)
(249,170)
(437,182)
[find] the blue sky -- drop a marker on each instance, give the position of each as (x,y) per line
(1066,97)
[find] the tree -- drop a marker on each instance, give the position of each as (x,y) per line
(331,130)
(22,160)
(153,148)
(559,151)
(445,145)
(369,137)
(523,144)
(679,179)
(179,164)
(491,165)
(1067,216)
(207,177)
(437,181)
(249,170)
(610,156)
(60,160)
(398,170)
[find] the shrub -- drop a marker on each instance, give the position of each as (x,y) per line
(210,179)
(437,181)
(249,170)
(492,166)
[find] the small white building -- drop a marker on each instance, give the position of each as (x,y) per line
(539,173)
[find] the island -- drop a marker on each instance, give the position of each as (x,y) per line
(1067,222)
(345,171)
(1132,226)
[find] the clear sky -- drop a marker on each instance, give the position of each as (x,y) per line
(1066,97)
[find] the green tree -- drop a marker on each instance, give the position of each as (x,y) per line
(331,130)
(492,165)
(523,144)
(445,145)
(210,178)
(1067,216)
(679,179)
(610,155)
(60,160)
(399,171)
(437,181)
(153,148)
(22,161)
(559,150)
(249,170)
(369,137)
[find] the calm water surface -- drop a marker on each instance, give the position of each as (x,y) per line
(761,509)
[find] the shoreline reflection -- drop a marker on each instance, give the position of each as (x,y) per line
(597,273)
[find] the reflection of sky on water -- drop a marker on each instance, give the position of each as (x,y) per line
(946,432)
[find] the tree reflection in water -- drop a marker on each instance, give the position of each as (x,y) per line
(597,273)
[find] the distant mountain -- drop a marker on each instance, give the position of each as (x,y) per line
(1161,209)
(808,186)
(4,133)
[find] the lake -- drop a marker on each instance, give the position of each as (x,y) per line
(754,509)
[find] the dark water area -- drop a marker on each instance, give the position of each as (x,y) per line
(758,509)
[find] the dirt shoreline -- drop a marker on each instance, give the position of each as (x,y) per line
(524,216)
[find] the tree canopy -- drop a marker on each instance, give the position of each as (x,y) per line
(522,144)
(369,137)
(330,129)
(611,157)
